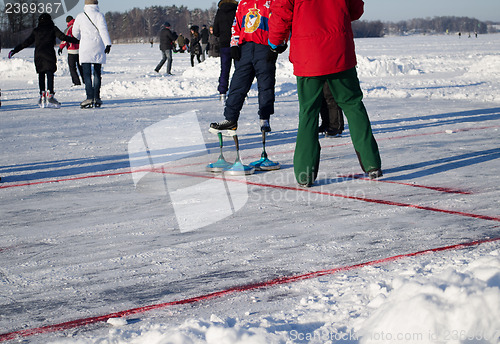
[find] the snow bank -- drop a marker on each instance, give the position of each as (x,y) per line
(488,66)
(16,68)
(455,306)
(384,66)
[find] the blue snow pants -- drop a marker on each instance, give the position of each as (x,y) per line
(225,69)
(253,63)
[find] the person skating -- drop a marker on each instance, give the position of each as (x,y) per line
(167,40)
(204,37)
(253,59)
(306,22)
(73,55)
(44,37)
(223,22)
(194,45)
(95,43)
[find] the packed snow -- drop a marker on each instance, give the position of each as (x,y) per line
(87,233)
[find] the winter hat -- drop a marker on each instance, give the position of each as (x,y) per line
(167,24)
(45,19)
(68,19)
(91,2)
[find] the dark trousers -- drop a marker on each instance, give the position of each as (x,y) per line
(253,63)
(50,82)
(225,69)
(74,65)
(167,57)
(92,87)
(348,95)
(197,57)
(332,118)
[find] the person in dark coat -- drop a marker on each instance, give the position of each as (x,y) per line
(222,29)
(204,36)
(194,45)
(213,44)
(44,37)
(167,40)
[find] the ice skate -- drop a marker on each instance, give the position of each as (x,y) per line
(265,126)
(52,102)
(87,104)
(42,101)
(227,128)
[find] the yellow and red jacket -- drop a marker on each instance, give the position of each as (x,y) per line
(251,23)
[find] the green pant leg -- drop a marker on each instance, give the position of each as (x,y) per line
(307,149)
(347,92)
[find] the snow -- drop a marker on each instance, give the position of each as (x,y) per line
(88,230)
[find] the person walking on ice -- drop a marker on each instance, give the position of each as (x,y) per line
(326,25)
(167,41)
(73,55)
(90,26)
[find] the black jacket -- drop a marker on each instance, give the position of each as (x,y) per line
(224,21)
(167,39)
(204,35)
(44,37)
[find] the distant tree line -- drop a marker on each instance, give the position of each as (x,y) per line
(440,25)
(143,25)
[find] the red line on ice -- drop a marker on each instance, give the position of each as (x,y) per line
(435,188)
(276,153)
(253,286)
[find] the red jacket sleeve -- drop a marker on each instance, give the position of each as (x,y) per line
(356,8)
(280,24)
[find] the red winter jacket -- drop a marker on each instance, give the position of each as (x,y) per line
(72,47)
(251,22)
(322,42)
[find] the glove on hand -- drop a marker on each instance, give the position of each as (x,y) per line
(272,55)
(235,53)
(59,51)
(108,49)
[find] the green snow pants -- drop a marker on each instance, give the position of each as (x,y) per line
(348,95)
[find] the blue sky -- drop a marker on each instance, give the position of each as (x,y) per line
(385,10)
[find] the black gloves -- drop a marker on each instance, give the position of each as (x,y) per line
(272,55)
(235,53)
(59,51)
(108,49)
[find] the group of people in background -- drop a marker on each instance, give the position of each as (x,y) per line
(199,44)
(88,42)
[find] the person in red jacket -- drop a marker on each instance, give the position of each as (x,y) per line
(73,56)
(253,59)
(324,25)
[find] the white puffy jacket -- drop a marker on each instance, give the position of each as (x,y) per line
(93,39)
